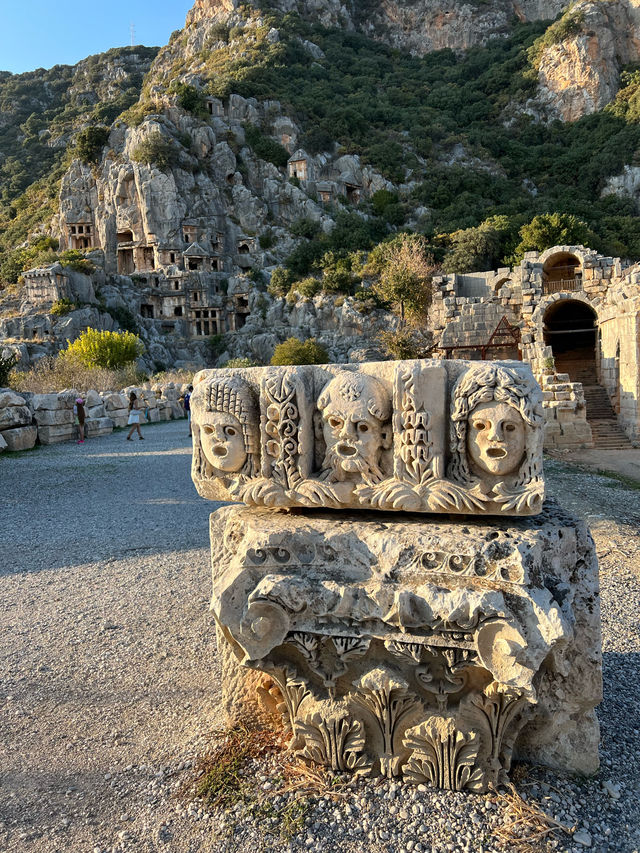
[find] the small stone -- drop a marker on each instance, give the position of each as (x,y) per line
(612,789)
(582,837)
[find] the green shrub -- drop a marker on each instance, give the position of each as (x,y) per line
(280,283)
(104,349)
(308,287)
(553,229)
(90,142)
(63,306)
(401,344)
(294,351)
(481,248)
(305,227)
(7,363)
(76,261)
(265,147)
(190,99)
(403,271)
(155,150)
(240,362)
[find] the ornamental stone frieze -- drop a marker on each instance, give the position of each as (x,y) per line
(392,581)
(420,436)
(431,651)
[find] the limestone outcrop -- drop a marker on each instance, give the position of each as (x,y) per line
(580,73)
(418,27)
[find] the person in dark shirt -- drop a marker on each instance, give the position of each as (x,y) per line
(78,411)
(187,405)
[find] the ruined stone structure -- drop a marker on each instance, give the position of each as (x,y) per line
(405,645)
(27,418)
(577,313)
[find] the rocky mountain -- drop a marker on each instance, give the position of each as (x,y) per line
(293,138)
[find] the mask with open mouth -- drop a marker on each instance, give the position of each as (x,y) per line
(222,442)
(355,410)
(495,438)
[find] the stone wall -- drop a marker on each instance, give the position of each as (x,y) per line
(565,413)
(27,418)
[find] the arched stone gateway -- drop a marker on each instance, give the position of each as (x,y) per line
(569,328)
(579,318)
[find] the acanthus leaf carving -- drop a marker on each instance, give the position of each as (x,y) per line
(387,698)
(443,756)
(336,741)
(499,712)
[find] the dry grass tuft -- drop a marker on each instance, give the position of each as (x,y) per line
(526,825)
(305,780)
(222,775)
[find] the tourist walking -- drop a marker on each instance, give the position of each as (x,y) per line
(187,405)
(134,416)
(79,413)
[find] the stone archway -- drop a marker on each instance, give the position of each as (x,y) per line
(569,327)
(561,271)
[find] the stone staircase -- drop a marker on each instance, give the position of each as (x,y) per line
(606,431)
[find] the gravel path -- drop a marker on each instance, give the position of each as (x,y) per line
(108,679)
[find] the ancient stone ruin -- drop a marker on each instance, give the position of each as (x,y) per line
(429,647)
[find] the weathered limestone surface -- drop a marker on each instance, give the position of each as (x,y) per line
(20,438)
(425,435)
(415,646)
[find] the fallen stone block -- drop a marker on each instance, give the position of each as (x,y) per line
(10,398)
(114,402)
(45,401)
(21,438)
(56,434)
(98,426)
(14,416)
(402,436)
(53,417)
(3,443)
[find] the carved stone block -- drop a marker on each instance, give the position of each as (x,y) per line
(412,647)
(423,436)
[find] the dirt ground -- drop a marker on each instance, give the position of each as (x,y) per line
(109,679)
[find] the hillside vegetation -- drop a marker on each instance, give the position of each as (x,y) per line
(460,128)
(457,134)
(41,114)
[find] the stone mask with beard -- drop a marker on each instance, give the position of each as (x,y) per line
(355,413)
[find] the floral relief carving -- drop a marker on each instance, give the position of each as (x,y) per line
(443,756)
(387,698)
(336,741)
(377,436)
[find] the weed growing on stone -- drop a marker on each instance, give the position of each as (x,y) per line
(222,781)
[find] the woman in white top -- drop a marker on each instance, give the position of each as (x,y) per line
(134,416)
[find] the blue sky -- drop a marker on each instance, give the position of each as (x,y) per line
(41,33)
